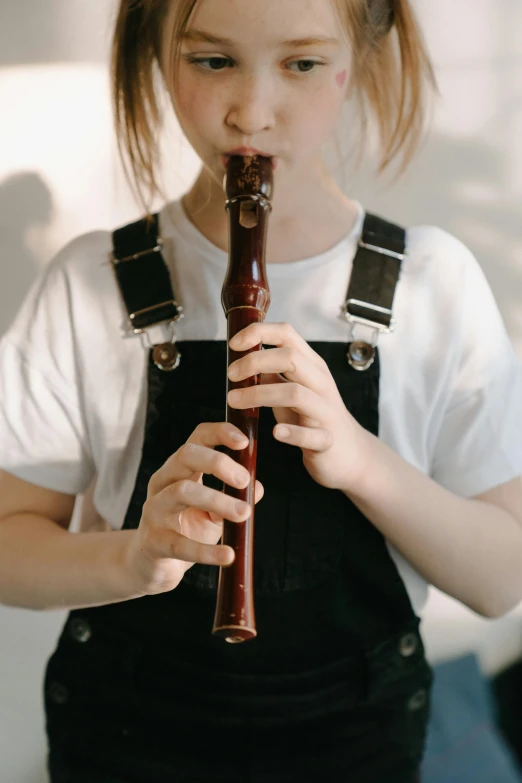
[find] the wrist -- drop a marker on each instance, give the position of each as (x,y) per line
(127,580)
(368,450)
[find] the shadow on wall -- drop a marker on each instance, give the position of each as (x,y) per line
(25,203)
(464,187)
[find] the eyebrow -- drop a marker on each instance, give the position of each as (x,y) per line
(200,35)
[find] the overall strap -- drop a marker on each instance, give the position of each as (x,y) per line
(145,285)
(375,274)
(144,281)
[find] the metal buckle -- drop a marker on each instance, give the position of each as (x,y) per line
(165,355)
(361,352)
(157,249)
(361,355)
(357,319)
(383,251)
(151,309)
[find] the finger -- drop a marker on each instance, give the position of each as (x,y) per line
(297,366)
(179,547)
(197,455)
(213,434)
(260,492)
(178,497)
(278,334)
(308,438)
(297,398)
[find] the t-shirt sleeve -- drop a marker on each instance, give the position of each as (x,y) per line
(43,437)
(479,442)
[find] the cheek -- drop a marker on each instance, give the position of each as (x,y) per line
(318,114)
(194,105)
(341,78)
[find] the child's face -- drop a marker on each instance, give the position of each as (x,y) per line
(261,89)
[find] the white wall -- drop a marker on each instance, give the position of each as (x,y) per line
(59,176)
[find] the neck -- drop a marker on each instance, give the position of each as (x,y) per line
(309,216)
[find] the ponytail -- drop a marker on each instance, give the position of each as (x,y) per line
(392,73)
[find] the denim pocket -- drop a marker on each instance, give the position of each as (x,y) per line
(89,682)
(399,691)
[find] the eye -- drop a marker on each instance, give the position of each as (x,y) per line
(305,66)
(210,63)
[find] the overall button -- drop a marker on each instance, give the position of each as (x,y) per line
(408,645)
(418,700)
(361,355)
(80,630)
(58,693)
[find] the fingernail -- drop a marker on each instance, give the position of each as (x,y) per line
(242,508)
(234,396)
(229,558)
(225,558)
(283,432)
(238,437)
(233,371)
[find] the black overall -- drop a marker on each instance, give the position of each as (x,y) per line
(334,688)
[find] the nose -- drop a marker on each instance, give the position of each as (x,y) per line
(251,108)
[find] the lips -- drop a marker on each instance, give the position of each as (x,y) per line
(245,152)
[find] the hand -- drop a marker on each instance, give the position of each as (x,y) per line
(182,520)
(336,449)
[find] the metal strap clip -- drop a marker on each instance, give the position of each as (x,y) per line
(382,250)
(362,350)
(358,319)
(151,309)
(157,249)
(165,353)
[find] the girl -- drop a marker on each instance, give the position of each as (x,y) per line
(388,460)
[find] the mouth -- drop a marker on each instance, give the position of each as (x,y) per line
(248,153)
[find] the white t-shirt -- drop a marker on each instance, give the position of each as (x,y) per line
(73,376)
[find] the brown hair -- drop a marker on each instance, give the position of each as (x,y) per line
(390,75)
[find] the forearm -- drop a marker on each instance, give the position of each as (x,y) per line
(43,566)
(469,549)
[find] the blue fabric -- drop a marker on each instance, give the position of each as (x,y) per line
(463,743)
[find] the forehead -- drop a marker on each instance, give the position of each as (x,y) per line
(269,21)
